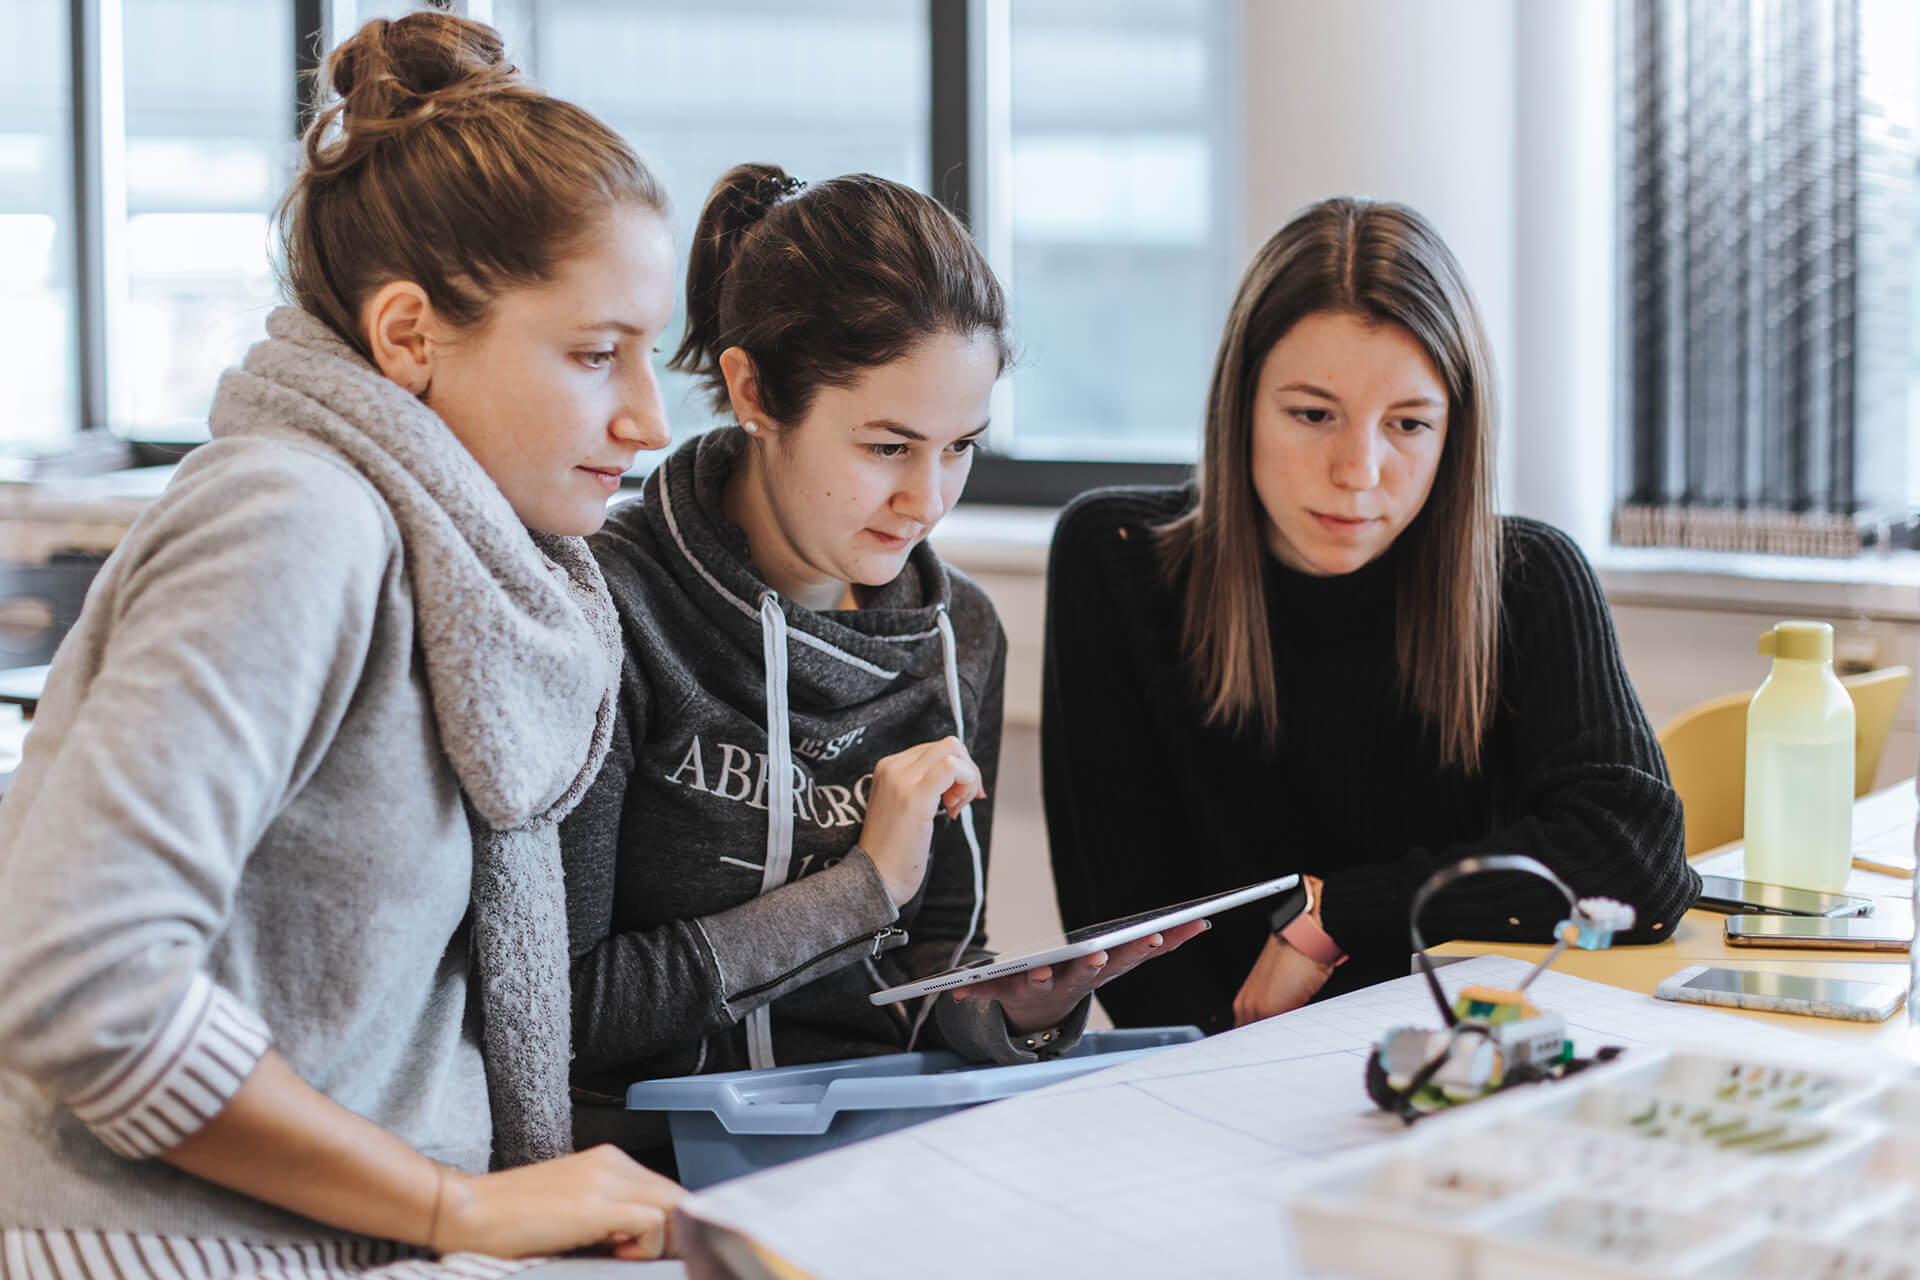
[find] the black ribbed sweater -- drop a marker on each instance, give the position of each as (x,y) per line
(1146,805)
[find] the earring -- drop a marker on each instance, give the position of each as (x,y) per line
(751,428)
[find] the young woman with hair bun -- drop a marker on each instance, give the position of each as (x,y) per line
(795,810)
(1331,656)
(282,972)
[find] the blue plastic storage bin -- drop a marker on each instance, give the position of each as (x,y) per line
(737,1122)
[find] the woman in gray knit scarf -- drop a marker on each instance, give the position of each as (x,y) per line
(282,960)
(794,810)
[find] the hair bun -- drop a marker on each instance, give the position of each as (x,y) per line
(752,191)
(400,69)
(775,185)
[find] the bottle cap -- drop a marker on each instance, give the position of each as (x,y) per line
(1803,641)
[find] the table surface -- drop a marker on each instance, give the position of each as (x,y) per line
(1701,937)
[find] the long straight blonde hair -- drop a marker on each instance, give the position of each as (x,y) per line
(1385,264)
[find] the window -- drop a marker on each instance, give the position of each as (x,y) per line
(1115,167)
(831,87)
(822,89)
(38,380)
(1086,141)
(1767,269)
(207,155)
(134,239)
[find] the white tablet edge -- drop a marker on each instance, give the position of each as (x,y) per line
(1004,965)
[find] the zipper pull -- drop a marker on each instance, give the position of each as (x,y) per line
(880,939)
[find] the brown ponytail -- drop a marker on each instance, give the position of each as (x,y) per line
(818,284)
(436,162)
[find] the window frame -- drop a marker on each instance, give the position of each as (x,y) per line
(93,31)
(954,44)
(97,145)
(954,107)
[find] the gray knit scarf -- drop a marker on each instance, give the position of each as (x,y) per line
(522,652)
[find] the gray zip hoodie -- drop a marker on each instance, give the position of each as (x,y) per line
(679,930)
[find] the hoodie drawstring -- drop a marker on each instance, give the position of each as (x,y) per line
(949,656)
(773,646)
(773,642)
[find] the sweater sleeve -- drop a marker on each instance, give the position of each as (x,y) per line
(976,1030)
(182,1077)
(1112,824)
(947,899)
(1585,779)
(218,653)
(639,993)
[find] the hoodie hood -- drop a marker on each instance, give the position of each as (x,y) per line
(836,659)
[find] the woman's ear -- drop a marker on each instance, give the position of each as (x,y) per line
(401,328)
(743,387)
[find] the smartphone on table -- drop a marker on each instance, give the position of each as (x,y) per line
(1846,998)
(1724,893)
(1846,934)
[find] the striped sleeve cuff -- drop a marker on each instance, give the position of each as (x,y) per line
(178,1080)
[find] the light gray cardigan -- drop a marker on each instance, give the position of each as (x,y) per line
(245,772)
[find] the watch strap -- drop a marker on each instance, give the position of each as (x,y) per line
(1307,937)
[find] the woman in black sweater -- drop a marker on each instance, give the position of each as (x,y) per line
(1330,656)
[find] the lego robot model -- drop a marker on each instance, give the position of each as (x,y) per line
(1492,1038)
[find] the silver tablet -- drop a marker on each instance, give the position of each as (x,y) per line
(1083,942)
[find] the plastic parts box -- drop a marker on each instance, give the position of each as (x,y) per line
(737,1122)
(1667,1164)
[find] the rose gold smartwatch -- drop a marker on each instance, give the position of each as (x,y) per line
(1293,923)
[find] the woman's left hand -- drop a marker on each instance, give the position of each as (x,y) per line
(1282,980)
(1043,997)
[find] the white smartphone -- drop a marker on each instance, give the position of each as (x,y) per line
(1782,993)
(1724,893)
(1856,934)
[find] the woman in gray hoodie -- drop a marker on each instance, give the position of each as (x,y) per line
(281,964)
(794,810)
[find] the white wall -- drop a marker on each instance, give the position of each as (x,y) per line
(1407,100)
(1494,118)
(1561,386)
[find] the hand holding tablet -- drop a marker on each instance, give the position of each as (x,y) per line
(1084,941)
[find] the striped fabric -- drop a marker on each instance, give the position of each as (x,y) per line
(180,1079)
(116,1255)
(160,1096)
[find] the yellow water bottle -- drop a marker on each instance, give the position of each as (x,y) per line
(1799,823)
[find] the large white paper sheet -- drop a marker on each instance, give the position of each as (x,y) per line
(1174,1165)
